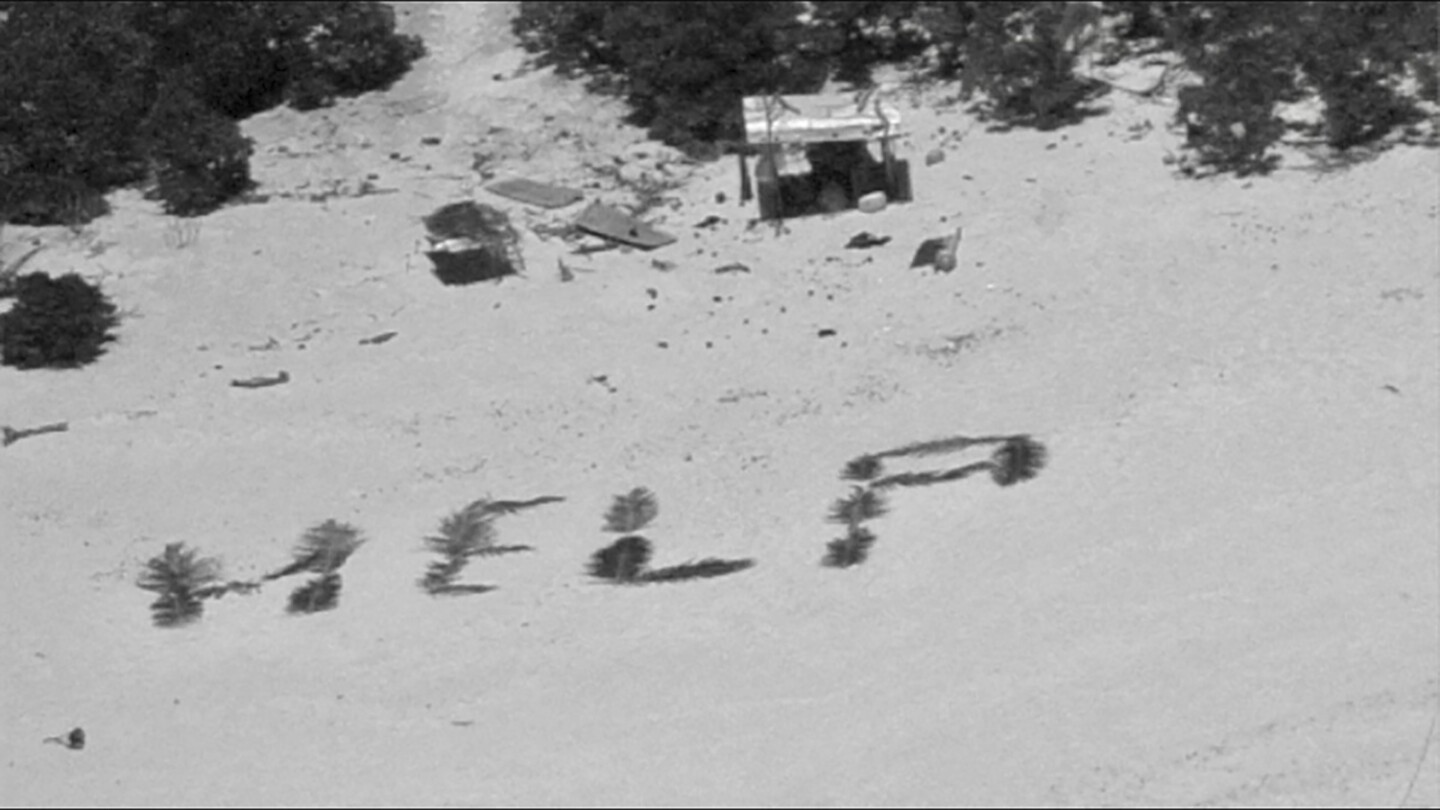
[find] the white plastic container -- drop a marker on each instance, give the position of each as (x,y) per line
(873,202)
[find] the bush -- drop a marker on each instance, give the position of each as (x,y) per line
(1016,55)
(36,199)
(349,48)
(1355,55)
(201,158)
(568,36)
(80,81)
(682,67)
(75,80)
(856,35)
(1245,57)
(55,323)
(1251,57)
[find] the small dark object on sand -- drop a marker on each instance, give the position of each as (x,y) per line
(12,435)
(262,382)
(865,239)
(377,339)
(75,740)
(938,252)
(709,222)
(734,267)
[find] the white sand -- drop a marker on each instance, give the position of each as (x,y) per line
(1221,591)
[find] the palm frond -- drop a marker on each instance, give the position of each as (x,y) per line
(860,505)
(930,477)
(621,561)
(852,549)
(1020,458)
(322,549)
(631,512)
(463,533)
(863,468)
(179,569)
(320,593)
(702,569)
(952,444)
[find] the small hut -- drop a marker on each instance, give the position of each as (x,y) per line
(833,133)
(470,242)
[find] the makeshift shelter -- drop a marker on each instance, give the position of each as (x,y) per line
(470,242)
(833,132)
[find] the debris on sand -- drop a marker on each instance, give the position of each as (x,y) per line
(616,225)
(12,435)
(535,193)
(75,740)
(865,239)
(262,382)
(938,252)
(472,242)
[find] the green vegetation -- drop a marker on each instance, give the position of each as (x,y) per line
(683,67)
(94,96)
(55,323)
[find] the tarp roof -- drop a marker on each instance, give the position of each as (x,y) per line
(820,118)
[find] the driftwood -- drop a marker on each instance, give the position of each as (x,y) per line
(12,435)
(262,382)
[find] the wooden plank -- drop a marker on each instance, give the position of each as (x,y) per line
(541,194)
(612,223)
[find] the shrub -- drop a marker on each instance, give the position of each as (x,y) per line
(682,67)
(1355,54)
(1245,57)
(567,35)
(77,81)
(350,48)
(1016,55)
(178,577)
(74,82)
(857,35)
(55,323)
(202,160)
(35,199)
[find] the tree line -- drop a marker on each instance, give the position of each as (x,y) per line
(683,67)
